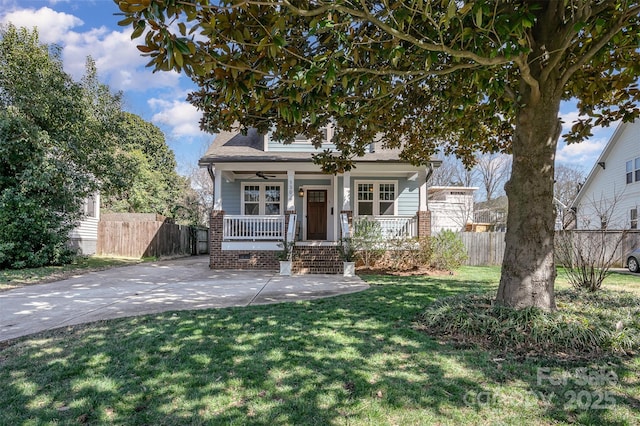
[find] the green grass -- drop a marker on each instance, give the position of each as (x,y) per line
(353,359)
(14,278)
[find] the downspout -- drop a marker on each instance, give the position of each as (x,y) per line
(212,175)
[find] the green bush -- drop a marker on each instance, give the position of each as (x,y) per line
(408,253)
(447,251)
(368,241)
(584,325)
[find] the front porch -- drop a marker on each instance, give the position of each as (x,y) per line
(255,241)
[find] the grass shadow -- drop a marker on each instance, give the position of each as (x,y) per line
(352,359)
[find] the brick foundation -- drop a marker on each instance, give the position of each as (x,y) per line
(236,259)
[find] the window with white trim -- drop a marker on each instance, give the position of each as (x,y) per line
(376,198)
(261,199)
(633,217)
(633,170)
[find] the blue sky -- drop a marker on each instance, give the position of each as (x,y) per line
(89,28)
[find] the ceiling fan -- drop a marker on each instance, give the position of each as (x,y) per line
(263,176)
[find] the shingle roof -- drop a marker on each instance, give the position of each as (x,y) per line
(234,147)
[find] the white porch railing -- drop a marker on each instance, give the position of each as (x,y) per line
(394,226)
(240,227)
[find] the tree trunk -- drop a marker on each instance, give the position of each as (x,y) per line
(528,268)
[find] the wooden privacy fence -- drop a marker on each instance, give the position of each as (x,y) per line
(487,248)
(483,248)
(144,235)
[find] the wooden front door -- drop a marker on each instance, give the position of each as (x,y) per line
(317,214)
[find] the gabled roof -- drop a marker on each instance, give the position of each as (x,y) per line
(234,147)
(610,146)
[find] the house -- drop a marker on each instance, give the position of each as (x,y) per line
(267,192)
(84,237)
(610,196)
(451,208)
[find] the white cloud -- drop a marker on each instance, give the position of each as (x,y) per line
(582,154)
(182,117)
(568,119)
(52,25)
(119,62)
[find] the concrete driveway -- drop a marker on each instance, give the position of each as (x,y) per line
(179,284)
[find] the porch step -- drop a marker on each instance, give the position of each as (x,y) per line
(316,260)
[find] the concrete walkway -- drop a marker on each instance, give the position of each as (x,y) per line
(179,284)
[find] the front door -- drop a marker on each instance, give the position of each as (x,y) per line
(317,214)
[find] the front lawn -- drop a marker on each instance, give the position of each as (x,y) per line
(353,359)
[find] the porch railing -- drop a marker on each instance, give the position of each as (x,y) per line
(393,226)
(239,227)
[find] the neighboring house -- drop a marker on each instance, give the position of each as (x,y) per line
(84,237)
(451,208)
(610,196)
(266,192)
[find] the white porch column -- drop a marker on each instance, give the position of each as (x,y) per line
(291,191)
(217,190)
(346,191)
(422,178)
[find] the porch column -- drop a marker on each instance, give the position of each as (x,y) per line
(291,201)
(215,239)
(422,178)
(291,191)
(423,214)
(217,190)
(346,192)
(346,198)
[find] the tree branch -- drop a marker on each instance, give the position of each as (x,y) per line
(587,56)
(367,15)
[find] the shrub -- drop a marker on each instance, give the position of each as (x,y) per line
(408,253)
(368,241)
(586,324)
(587,257)
(447,251)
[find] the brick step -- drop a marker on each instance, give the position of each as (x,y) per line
(317,260)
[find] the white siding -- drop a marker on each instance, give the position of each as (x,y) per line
(451,208)
(606,190)
(84,237)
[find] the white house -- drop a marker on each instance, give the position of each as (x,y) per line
(84,237)
(451,207)
(610,196)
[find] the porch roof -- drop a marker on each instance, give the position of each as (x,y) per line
(234,147)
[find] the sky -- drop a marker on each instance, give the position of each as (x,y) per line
(89,28)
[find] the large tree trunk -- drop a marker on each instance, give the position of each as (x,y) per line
(528,268)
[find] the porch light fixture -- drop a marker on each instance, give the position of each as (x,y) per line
(300,192)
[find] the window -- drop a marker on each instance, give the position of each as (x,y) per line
(633,170)
(387,194)
(365,199)
(90,206)
(376,198)
(261,199)
(633,219)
